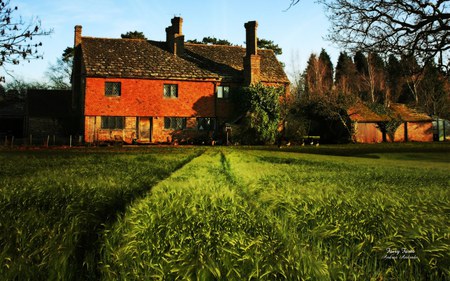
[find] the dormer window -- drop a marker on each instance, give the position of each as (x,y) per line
(223,92)
(112,89)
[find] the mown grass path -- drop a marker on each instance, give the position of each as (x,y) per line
(234,214)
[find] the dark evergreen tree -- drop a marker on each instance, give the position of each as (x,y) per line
(345,79)
(327,72)
(394,78)
(133,35)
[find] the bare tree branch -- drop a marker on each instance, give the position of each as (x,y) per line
(16,36)
(415,27)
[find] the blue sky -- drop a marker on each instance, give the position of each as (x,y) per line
(298,31)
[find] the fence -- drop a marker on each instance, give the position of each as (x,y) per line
(46,141)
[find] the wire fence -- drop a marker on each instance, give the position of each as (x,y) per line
(46,141)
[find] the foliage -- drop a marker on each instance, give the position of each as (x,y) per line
(60,73)
(54,205)
(416,27)
(211,40)
(238,214)
(262,43)
(391,126)
(269,45)
(20,87)
(16,36)
(133,35)
(262,109)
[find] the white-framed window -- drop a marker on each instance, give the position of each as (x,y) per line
(113,122)
(170,90)
(223,92)
(112,89)
(174,123)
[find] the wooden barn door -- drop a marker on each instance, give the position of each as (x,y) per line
(144,129)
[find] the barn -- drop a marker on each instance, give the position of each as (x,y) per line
(409,124)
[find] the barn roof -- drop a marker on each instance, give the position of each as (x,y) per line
(409,114)
(360,112)
(139,58)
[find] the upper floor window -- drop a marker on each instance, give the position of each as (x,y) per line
(170,90)
(112,89)
(113,122)
(223,92)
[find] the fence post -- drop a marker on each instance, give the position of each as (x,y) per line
(48,139)
(31,139)
(12,141)
(70,141)
(6,140)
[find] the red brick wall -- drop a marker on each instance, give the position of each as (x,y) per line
(146,98)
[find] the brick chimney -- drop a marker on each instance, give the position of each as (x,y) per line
(175,37)
(252,61)
(77,38)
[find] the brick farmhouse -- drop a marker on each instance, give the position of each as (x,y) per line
(144,91)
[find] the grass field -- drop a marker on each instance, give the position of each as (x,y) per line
(329,213)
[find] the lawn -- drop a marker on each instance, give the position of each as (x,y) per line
(221,213)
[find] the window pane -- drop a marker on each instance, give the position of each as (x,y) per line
(170,91)
(226,92)
(174,91)
(166,122)
(220,92)
(113,122)
(112,89)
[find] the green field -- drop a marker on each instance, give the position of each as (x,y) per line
(353,212)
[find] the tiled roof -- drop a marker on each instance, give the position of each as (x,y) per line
(361,113)
(409,114)
(138,58)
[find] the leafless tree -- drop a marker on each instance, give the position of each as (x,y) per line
(416,27)
(16,37)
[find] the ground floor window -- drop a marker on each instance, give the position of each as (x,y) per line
(174,123)
(206,123)
(113,122)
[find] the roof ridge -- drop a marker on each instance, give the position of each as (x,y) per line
(214,45)
(105,38)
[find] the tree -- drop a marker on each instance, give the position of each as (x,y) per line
(60,73)
(261,105)
(433,90)
(325,61)
(345,79)
(262,43)
(416,27)
(269,45)
(211,40)
(412,76)
(133,35)
(394,78)
(16,37)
